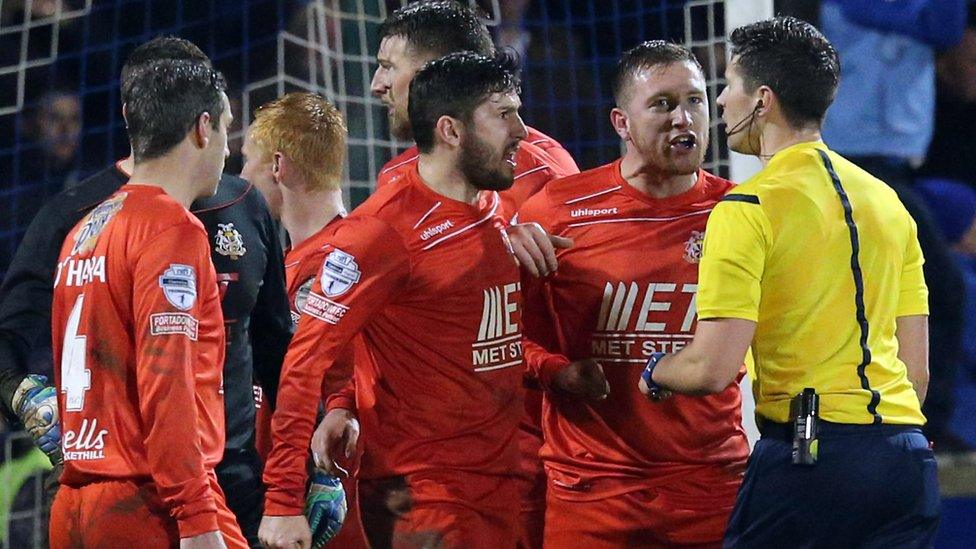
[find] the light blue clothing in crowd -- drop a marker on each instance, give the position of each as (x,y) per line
(885,104)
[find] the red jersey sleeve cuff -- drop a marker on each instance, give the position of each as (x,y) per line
(549,368)
(283,503)
(341,400)
(199,523)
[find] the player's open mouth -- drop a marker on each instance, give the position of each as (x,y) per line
(510,155)
(684,142)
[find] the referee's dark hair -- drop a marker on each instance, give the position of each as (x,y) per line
(439,27)
(155,50)
(643,56)
(795,60)
(454,86)
(166,100)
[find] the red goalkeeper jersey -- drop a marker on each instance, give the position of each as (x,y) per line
(626,290)
(539,160)
(431,287)
(138,344)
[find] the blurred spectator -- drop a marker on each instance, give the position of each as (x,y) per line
(953,146)
(511,31)
(953,204)
(56,131)
(882,119)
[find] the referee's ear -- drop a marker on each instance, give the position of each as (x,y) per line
(125,114)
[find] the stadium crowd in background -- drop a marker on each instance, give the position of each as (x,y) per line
(383,322)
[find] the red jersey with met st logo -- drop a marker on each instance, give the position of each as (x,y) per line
(138,342)
(432,288)
(625,290)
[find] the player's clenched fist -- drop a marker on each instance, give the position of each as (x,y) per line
(583,378)
(335,436)
(285,532)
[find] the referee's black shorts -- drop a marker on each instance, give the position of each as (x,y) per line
(872,486)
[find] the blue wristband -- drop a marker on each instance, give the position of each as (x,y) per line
(654,388)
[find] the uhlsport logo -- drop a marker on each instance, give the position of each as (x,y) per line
(587,212)
(499,343)
(179,284)
(339,273)
(693,248)
(228,241)
(435,230)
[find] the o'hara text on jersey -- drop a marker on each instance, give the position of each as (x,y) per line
(78,272)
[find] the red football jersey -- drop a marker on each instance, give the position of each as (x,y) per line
(625,290)
(138,344)
(302,265)
(539,160)
(429,284)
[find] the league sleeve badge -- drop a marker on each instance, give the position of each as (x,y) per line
(179,284)
(339,273)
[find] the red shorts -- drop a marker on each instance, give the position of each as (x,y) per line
(673,515)
(457,510)
(532,515)
(532,475)
(126,514)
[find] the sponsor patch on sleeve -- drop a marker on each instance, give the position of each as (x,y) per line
(324,308)
(173,324)
(340,272)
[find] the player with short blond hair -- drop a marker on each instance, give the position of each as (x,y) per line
(293,152)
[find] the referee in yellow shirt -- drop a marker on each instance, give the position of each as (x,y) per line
(816,264)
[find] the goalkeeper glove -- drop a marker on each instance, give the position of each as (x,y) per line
(36,405)
(325,507)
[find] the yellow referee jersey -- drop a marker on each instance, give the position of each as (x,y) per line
(823,257)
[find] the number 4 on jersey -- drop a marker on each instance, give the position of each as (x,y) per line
(75,378)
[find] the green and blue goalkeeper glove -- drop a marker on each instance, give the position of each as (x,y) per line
(325,507)
(36,404)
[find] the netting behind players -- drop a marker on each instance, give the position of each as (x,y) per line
(60,117)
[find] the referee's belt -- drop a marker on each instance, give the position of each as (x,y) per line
(828,429)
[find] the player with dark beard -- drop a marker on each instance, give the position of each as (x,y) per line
(422,272)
